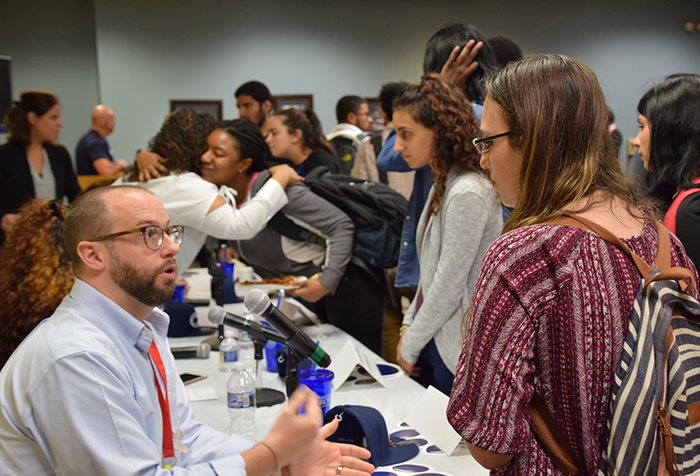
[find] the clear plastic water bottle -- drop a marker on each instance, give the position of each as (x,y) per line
(228,353)
(241,402)
(246,353)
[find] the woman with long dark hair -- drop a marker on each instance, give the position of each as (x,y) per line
(669,143)
(552,303)
(434,127)
(32,164)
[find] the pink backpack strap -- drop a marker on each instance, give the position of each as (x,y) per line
(670,218)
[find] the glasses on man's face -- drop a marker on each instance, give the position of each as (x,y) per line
(482,145)
(152,235)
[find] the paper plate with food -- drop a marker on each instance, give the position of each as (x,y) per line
(271,285)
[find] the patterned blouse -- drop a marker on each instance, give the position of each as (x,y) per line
(549,314)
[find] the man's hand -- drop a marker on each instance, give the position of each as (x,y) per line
(285,175)
(460,65)
(310,290)
(293,434)
(8,221)
(122,165)
(150,165)
(324,458)
(410,369)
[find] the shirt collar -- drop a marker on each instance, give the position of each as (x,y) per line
(112,315)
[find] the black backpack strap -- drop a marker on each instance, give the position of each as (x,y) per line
(377,144)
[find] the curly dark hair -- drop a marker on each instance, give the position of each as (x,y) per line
(437,105)
(37,272)
(182,140)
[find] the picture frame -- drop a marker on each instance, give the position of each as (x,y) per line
(300,102)
(211,107)
(375,110)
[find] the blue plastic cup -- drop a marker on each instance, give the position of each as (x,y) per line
(227,266)
(179,294)
(271,356)
(320,382)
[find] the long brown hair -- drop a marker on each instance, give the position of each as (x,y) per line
(437,105)
(557,117)
(36,272)
(309,125)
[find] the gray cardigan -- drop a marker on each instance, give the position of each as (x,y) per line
(450,253)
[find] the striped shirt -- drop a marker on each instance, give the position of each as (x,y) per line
(549,314)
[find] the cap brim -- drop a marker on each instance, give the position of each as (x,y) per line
(399,454)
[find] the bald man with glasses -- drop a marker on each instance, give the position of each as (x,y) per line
(94,389)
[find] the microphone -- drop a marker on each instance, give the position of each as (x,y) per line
(200,351)
(258,303)
(219,316)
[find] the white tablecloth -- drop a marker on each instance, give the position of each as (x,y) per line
(395,401)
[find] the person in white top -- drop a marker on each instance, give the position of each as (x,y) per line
(200,206)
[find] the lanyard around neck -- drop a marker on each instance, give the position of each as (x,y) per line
(168,451)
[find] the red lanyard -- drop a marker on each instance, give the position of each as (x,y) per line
(168,451)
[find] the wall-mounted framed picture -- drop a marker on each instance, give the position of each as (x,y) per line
(375,110)
(213,108)
(300,102)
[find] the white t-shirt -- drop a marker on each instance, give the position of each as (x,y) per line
(188,197)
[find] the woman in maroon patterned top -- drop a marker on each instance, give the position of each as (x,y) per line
(552,303)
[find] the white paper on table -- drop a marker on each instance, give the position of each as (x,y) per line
(429,418)
(202,394)
(344,363)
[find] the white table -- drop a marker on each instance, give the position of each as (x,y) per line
(395,401)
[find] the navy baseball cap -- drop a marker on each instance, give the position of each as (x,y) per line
(365,426)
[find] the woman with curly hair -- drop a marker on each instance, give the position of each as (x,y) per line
(200,206)
(36,272)
(435,126)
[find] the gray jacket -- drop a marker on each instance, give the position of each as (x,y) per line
(274,255)
(450,253)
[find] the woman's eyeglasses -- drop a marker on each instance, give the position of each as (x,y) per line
(482,145)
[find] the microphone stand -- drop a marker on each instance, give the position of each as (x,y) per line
(264,397)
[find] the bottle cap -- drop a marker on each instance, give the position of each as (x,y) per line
(238,365)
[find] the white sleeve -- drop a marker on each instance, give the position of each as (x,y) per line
(230,223)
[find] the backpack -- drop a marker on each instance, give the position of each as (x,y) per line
(345,150)
(376,210)
(653,424)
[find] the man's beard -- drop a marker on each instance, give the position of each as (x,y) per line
(141,285)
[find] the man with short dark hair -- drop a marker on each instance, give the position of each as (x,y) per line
(354,122)
(254,103)
(94,389)
(92,154)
